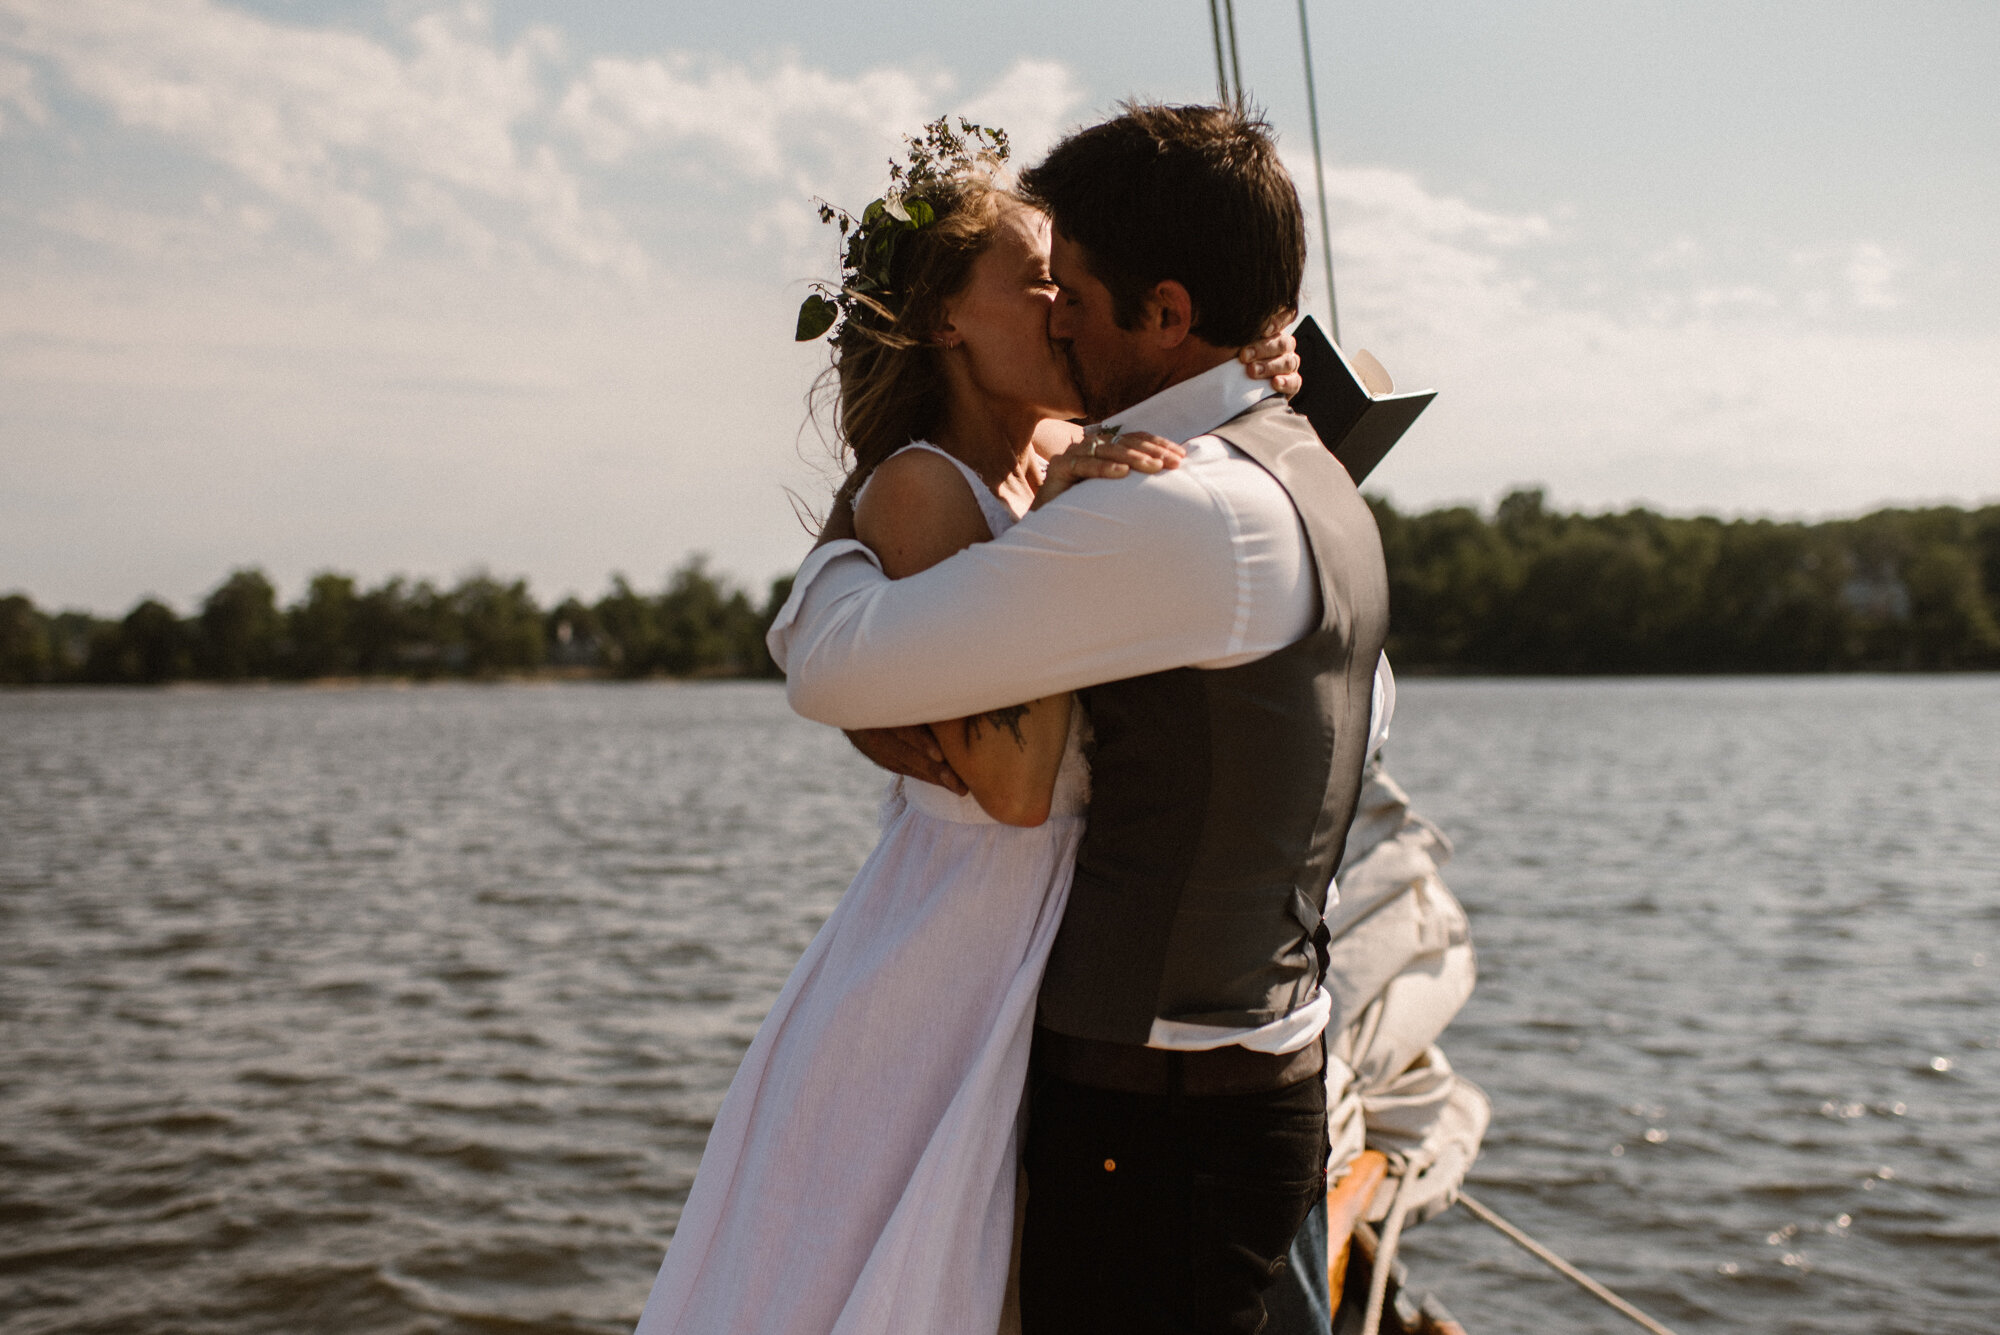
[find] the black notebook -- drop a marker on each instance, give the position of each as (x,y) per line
(1359,427)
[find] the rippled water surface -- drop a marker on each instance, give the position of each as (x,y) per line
(406,1010)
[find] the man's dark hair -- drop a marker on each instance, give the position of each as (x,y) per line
(1192,194)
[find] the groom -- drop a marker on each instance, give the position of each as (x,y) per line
(1222,623)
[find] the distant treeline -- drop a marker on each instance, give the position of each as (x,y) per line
(1526,590)
(1523,590)
(482,627)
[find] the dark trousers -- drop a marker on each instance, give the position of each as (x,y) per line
(1301,1301)
(1163,1214)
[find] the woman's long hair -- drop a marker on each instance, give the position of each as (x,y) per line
(887,383)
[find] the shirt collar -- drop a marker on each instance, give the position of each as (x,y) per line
(1196,405)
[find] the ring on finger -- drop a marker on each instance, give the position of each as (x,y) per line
(1093,445)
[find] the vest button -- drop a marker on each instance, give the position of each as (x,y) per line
(1110,1165)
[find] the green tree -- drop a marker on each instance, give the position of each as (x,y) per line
(238,631)
(1771,602)
(761,662)
(70,636)
(1984,528)
(573,635)
(1523,518)
(433,640)
(379,628)
(149,646)
(1951,625)
(26,654)
(322,628)
(1579,605)
(631,628)
(498,625)
(696,617)
(1451,575)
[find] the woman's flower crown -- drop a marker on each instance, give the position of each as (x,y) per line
(870,256)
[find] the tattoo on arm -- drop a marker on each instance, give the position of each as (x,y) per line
(1008,719)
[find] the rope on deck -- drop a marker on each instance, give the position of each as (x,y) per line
(1385,1256)
(1560,1266)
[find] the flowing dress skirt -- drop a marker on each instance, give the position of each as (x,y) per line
(860,1177)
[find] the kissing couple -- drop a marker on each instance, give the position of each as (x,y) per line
(1128,678)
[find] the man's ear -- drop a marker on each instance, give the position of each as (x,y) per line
(1170,313)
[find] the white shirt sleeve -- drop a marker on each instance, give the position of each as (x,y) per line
(1204,565)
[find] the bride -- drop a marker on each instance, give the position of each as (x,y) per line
(860,1176)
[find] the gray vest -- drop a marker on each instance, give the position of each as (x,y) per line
(1220,800)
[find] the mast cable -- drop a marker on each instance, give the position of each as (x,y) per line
(1235,65)
(1560,1266)
(1221,75)
(1319,176)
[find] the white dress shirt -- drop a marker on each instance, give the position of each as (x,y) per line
(1206,565)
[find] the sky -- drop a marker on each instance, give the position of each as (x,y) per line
(386,286)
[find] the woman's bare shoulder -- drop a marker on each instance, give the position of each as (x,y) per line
(916,510)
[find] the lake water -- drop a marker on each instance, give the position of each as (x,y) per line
(406,1010)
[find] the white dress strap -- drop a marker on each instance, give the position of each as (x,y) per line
(779,638)
(998,517)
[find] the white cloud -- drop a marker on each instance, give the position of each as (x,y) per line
(1871,273)
(1402,250)
(135,231)
(1682,252)
(771,137)
(1863,275)
(1673,389)
(318,118)
(19,95)
(553,330)
(762,124)
(1399,195)
(787,119)
(490,147)
(1034,101)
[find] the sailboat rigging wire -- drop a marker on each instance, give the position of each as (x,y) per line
(1221,74)
(1319,176)
(1561,1267)
(1235,64)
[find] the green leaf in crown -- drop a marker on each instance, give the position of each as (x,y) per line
(816,316)
(868,258)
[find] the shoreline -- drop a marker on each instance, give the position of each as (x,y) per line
(599,677)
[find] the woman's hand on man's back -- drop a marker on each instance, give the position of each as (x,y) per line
(1100,454)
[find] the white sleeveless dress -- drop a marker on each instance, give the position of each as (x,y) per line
(860,1177)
